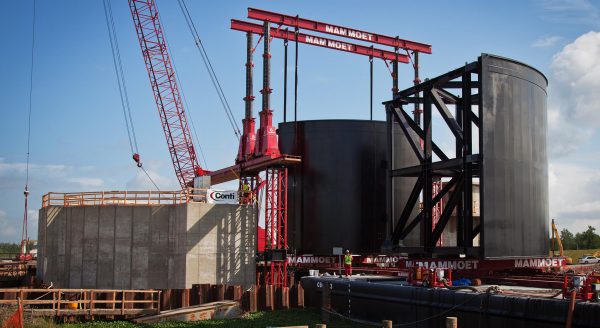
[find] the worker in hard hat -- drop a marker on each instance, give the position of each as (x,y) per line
(348,263)
(246,192)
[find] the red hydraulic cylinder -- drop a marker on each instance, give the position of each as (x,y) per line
(267,134)
(248,139)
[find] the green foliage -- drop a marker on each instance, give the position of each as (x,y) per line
(588,239)
(292,317)
(9,248)
(568,240)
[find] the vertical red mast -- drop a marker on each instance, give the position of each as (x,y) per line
(166,92)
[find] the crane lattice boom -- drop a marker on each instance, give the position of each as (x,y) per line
(166,92)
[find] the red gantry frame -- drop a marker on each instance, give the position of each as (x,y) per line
(259,151)
(307,24)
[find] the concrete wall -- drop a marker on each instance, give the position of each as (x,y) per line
(159,247)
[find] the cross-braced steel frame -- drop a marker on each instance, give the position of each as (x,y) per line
(460,89)
(276,226)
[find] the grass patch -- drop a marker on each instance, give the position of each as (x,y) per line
(293,317)
(576,254)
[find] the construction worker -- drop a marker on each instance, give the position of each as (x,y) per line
(348,263)
(245,192)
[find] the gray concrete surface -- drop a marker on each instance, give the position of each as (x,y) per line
(158,247)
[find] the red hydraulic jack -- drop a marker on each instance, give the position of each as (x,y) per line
(248,140)
(267,135)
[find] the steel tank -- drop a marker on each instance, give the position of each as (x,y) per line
(337,195)
(515,167)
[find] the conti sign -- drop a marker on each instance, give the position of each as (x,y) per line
(222,196)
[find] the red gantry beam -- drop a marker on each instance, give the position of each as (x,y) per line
(295,21)
(319,41)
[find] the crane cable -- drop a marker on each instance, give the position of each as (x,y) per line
(24,231)
(211,72)
(112,35)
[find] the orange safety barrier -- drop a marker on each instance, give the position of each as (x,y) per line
(133,198)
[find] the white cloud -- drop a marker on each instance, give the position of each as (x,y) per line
(581,12)
(142,182)
(8,228)
(87,182)
(573,196)
(574,100)
(19,168)
(546,42)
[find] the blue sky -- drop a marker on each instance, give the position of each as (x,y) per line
(79,140)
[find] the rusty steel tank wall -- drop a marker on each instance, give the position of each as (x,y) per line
(336,197)
(515,166)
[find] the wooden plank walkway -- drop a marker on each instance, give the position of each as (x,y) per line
(213,310)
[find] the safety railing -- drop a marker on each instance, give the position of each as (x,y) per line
(133,198)
(89,302)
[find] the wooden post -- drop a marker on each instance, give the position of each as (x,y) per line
(58,304)
(237,293)
(451,322)
(20,310)
(165,300)
(122,302)
(204,296)
(185,298)
(269,297)
(386,323)
(219,290)
(91,304)
(250,299)
(284,294)
(571,309)
(300,295)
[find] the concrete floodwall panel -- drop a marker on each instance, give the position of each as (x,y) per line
(141,247)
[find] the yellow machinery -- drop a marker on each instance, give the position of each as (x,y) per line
(556,241)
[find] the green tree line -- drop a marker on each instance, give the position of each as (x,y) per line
(9,248)
(588,239)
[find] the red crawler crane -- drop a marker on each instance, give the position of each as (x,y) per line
(166,92)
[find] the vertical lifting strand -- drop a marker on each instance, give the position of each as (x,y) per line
(116,55)
(371,85)
(25,232)
(166,91)
(209,67)
(296,77)
(285,63)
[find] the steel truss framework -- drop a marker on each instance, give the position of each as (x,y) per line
(166,92)
(458,172)
(276,226)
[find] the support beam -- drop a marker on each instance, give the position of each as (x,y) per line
(307,24)
(408,208)
(320,41)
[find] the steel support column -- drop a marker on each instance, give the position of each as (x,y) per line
(276,226)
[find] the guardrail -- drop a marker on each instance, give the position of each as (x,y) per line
(133,198)
(86,302)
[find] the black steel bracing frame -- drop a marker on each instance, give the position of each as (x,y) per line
(459,89)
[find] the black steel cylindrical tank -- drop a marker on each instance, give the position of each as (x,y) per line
(515,166)
(337,195)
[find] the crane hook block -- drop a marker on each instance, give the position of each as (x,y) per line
(136,158)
